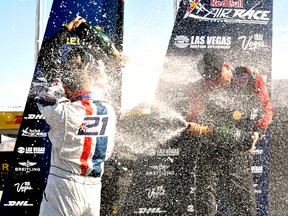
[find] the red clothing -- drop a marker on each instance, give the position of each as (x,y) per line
(247,91)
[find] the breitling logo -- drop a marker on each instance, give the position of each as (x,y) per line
(27,163)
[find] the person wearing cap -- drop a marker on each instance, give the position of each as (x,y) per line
(229,112)
(82,132)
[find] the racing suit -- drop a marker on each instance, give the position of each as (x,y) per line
(82,136)
(81,133)
(223,165)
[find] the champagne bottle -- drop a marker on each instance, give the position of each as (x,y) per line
(95,37)
(205,130)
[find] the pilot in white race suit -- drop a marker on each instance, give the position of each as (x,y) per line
(82,130)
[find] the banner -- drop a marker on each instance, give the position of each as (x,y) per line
(4,162)
(29,166)
(10,120)
(163,180)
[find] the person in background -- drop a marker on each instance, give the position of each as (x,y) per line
(82,127)
(229,112)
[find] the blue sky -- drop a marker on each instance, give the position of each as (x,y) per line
(148,25)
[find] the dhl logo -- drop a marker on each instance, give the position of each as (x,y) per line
(10,120)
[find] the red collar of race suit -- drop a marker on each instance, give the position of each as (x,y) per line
(83,94)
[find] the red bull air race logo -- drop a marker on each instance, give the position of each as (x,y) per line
(229,11)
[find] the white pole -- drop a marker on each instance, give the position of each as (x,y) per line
(37,30)
(44,15)
(176,6)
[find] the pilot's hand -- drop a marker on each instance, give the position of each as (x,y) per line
(194,129)
(75,23)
